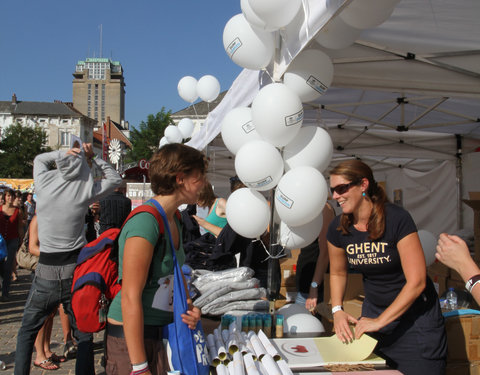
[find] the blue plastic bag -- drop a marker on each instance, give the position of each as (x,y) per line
(3,248)
(189,347)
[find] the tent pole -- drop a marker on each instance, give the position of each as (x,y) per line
(459,176)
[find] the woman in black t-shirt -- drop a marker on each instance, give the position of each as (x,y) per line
(379,239)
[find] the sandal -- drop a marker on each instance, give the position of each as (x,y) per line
(47,365)
(57,358)
(69,351)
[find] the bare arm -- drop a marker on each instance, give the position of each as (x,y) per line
(33,242)
(137,257)
(453,252)
(414,268)
(208,226)
(338,283)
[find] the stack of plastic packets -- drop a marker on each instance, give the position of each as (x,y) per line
(235,352)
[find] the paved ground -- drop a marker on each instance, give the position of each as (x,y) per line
(10,320)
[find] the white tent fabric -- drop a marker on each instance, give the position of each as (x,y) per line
(400,96)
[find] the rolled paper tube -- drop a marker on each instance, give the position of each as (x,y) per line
(240,338)
(227,361)
(218,335)
(221,351)
(222,369)
(260,350)
(250,364)
(283,366)
(242,348)
(268,346)
(270,365)
(233,344)
(225,335)
(250,348)
(231,368)
(238,363)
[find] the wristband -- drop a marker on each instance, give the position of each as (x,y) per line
(139,369)
(336,308)
(474,280)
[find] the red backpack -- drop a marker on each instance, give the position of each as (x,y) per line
(95,279)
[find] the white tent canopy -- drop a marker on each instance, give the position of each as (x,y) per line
(406,93)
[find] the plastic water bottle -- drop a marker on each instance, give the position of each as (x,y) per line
(451,299)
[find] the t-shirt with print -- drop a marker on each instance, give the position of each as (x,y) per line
(378,260)
(145,225)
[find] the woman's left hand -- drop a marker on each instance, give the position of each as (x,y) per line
(191,317)
(366,325)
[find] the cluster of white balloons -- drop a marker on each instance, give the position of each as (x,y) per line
(206,88)
(176,134)
(274,150)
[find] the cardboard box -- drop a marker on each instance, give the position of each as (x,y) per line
(438,269)
(354,287)
(463,337)
(288,269)
(463,368)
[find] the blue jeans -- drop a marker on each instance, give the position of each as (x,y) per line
(44,297)
(7,265)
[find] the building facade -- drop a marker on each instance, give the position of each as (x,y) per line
(99,90)
(59,120)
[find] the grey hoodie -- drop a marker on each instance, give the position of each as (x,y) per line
(63,197)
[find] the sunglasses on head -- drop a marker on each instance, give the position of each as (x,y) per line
(343,188)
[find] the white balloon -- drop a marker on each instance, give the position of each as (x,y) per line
(252,18)
(300,196)
(275,13)
(238,129)
(366,14)
(163,142)
(277,114)
(172,134)
(311,147)
(309,75)
(337,34)
(429,246)
(291,309)
(187,89)
(208,88)
(259,165)
(250,48)
(186,127)
(298,237)
(302,324)
(248,212)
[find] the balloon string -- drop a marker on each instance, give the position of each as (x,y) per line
(195,110)
(281,254)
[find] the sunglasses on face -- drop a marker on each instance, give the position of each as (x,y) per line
(343,188)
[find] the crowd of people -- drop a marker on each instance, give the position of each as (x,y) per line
(370,236)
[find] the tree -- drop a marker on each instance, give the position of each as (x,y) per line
(146,138)
(18,147)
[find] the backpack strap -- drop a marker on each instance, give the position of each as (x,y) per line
(152,210)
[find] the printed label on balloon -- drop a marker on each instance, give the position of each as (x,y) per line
(248,127)
(283,199)
(259,184)
(233,47)
(315,84)
(294,119)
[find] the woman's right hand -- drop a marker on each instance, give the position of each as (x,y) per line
(341,322)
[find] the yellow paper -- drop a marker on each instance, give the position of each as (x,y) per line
(333,350)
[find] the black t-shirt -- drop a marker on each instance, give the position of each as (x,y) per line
(379,260)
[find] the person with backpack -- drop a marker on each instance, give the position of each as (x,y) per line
(144,305)
(65,187)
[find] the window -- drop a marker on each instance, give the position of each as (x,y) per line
(64,137)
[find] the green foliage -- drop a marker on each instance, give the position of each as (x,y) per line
(146,137)
(18,147)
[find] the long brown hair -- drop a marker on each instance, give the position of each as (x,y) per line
(206,197)
(356,170)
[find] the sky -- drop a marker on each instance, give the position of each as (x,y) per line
(157,42)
